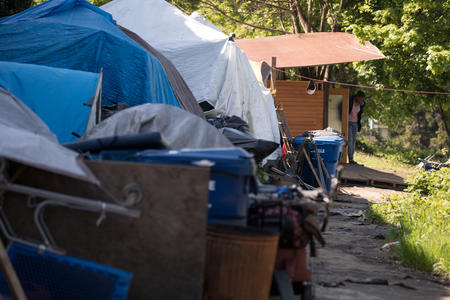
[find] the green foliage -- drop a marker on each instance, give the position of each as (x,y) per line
(263,18)
(230,16)
(421,221)
(393,150)
(413,35)
(10,7)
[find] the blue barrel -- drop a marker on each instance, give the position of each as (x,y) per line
(231,179)
(330,150)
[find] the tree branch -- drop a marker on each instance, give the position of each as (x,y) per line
(281,21)
(213,6)
(295,20)
(323,16)
(301,16)
(264,3)
(310,8)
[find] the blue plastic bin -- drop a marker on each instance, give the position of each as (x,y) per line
(121,155)
(50,276)
(330,150)
(231,179)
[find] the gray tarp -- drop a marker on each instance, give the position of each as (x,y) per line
(179,128)
(24,138)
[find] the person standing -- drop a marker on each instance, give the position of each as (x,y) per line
(356,108)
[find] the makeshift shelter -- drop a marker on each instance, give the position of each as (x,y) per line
(178,128)
(49,92)
(325,106)
(75,34)
(215,69)
(310,49)
(27,140)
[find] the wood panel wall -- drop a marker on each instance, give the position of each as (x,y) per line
(303,112)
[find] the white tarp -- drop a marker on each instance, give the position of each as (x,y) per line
(215,69)
(26,139)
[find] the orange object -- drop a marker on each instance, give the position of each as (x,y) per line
(295,262)
(239,263)
(309,49)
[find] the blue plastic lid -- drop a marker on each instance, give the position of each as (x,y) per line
(233,160)
(322,140)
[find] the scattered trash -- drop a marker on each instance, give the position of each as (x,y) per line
(377,281)
(389,245)
(333,284)
(231,122)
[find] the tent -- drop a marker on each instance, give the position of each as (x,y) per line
(178,128)
(215,69)
(75,34)
(50,93)
(26,139)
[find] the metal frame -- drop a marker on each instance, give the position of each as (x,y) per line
(54,199)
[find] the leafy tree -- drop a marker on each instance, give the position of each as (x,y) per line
(10,7)
(413,35)
(270,17)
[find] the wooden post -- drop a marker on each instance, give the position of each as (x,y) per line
(10,275)
(273,77)
(326,95)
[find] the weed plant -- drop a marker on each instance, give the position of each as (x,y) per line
(393,151)
(420,220)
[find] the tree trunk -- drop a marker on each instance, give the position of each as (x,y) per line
(294,18)
(442,114)
(301,17)
(309,16)
(323,16)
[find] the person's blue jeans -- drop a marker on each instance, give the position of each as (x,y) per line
(352,131)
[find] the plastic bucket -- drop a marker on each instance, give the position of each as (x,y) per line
(239,263)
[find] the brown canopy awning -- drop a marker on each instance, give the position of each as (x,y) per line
(310,49)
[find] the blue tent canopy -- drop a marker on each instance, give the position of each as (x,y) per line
(57,96)
(75,34)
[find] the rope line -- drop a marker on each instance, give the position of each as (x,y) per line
(364,86)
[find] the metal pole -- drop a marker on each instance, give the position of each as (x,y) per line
(83,202)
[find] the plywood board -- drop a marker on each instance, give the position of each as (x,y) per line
(164,248)
(303,112)
(358,174)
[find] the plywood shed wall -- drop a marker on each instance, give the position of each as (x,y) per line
(303,112)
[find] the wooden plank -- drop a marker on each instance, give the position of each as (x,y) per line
(273,77)
(164,248)
(303,112)
(356,174)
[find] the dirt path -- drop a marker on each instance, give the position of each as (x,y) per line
(352,252)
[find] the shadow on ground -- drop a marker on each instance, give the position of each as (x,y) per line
(351,266)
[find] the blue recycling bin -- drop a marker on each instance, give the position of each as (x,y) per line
(231,180)
(50,276)
(330,150)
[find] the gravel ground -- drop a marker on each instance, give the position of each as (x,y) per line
(351,266)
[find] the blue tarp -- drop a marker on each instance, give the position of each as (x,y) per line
(75,34)
(56,95)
